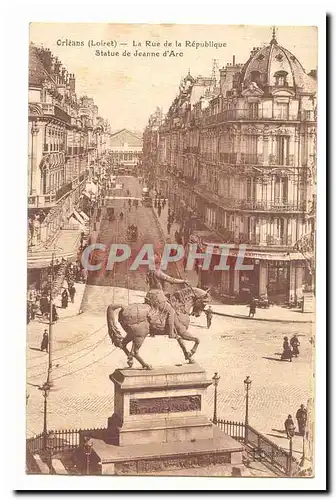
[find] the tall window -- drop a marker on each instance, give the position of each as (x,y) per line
(278,227)
(282,110)
(253,110)
(252,145)
(282,150)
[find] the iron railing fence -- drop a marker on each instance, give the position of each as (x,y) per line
(234,429)
(64,439)
(261,446)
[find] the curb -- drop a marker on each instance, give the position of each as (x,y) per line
(239,316)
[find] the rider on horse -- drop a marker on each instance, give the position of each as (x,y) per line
(156,298)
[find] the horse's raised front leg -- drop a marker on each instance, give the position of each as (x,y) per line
(186,336)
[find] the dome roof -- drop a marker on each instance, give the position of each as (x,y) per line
(268,63)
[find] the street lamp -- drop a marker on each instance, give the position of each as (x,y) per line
(215,380)
(45,389)
(87,445)
(291,433)
(247,384)
(50,450)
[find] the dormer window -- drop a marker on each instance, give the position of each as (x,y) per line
(255,77)
(281,78)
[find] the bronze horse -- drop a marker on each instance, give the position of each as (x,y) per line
(137,324)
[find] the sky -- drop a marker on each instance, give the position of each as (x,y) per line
(128,89)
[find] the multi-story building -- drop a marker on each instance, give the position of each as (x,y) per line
(241,156)
(125,149)
(150,152)
(64,134)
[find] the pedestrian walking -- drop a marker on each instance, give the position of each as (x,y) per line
(121,215)
(168,228)
(301,417)
(208,313)
(54,315)
(33,310)
(287,351)
(289,426)
(72,293)
(65,299)
(294,342)
(44,305)
(28,312)
(253,307)
(45,341)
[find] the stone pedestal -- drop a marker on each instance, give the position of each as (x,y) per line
(159,424)
(159,406)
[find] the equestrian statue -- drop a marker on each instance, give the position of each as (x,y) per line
(160,315)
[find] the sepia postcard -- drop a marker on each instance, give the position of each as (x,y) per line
(171,250)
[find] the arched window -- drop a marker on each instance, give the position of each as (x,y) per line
(281,78)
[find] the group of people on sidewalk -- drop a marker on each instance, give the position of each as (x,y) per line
(38,304)
(65,296)
(301,417)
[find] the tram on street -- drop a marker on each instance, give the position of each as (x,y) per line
(146,199)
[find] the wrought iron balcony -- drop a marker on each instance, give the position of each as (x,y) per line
(252,115)
(279,241)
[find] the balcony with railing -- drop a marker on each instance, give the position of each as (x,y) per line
(191,149)
(279,241)
(56,111)
(253,115)
(278,205)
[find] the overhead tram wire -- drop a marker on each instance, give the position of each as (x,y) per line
(74,360)
(69,354)
(83,367)
(72,343)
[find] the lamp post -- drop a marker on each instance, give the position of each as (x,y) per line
(45,388)
(87,450)
(247,384)
(291,432)
(215,380)
(50,339)
(50,449)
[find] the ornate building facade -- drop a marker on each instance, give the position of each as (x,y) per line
(241,158)
(125,149)
(66,138)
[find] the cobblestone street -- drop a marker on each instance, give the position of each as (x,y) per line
(82,396)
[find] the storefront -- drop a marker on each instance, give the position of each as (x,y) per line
(278,280)
(278,277)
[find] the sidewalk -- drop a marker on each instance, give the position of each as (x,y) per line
(274,314)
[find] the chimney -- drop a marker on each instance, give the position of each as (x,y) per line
(233,60)
(72,83)
(222,77)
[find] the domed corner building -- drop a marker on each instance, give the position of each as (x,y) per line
(251,155)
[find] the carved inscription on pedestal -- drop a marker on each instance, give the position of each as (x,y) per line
(172,463)
(165,405)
